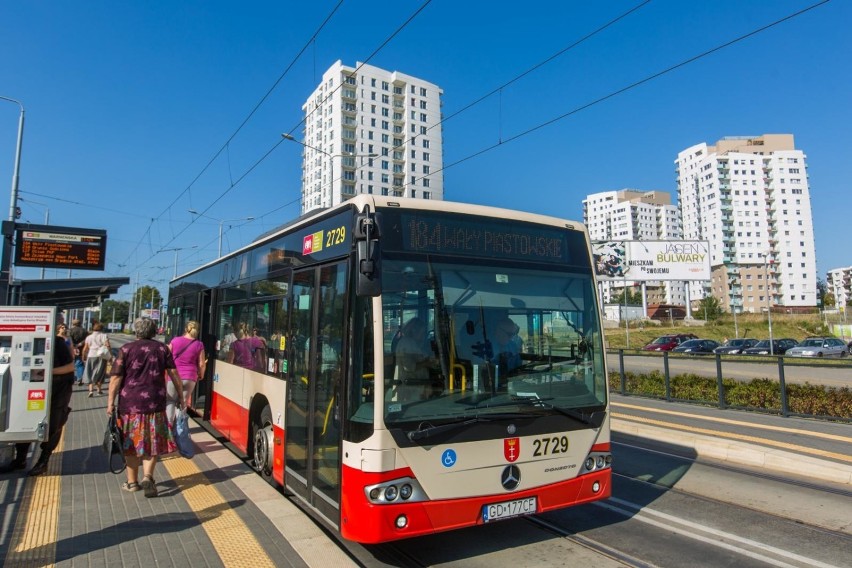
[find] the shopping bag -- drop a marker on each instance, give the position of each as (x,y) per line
(182,438)
(113,446)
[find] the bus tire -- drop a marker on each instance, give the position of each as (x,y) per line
(262,440)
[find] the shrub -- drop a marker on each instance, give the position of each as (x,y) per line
(758,394)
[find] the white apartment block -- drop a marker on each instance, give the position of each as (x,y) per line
(372,131)
(839,283)
(633,215)
(749,197)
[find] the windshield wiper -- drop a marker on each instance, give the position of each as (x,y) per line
(594,419)
(426,430)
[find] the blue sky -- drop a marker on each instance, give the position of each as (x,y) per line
(130,104)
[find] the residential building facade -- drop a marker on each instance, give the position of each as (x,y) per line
(839,283)
(371,131)
(634,215)
(750,198)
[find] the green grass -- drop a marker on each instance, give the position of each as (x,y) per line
(749,325)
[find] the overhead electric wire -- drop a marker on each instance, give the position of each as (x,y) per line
(367,60)
(242,124)
(280,140)
(629,87)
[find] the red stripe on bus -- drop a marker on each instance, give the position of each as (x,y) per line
(364,522)
(230,419)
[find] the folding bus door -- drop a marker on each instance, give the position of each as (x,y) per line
(317,329)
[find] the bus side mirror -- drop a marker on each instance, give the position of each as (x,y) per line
(368,257)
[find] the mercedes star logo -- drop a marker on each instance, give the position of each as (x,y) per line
(511,477)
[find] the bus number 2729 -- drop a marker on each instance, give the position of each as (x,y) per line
(554,445)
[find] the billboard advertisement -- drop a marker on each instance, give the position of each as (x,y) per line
(643,261)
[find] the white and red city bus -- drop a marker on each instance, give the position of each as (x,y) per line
(405,367)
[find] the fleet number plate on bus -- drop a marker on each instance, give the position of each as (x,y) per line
(508,509)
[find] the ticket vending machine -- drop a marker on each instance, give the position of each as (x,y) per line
(26,369)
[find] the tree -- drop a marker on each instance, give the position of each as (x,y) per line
(822,293)
(828,300)
(710,308)
(147,298)
(633,298)
(114,311)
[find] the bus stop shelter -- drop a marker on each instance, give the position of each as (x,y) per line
(67,293)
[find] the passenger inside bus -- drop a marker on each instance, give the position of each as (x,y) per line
(507,345)
(249,350)
(414,360)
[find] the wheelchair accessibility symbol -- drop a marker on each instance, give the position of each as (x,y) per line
(448,458)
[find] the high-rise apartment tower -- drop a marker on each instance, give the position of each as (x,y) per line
(634,215)
(372,131)
(749,197)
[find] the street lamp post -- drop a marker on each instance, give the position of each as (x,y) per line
(330,157)
(13,203)
(6,261)
(176,250)
(221,223)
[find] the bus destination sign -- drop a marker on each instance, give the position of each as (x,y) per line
(48,246)
(442,233)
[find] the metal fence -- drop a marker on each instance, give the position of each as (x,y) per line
(706,384)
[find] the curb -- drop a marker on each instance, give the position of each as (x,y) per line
(740,452)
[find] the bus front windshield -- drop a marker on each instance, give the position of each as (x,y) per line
(464,341)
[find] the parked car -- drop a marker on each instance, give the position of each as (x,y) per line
(779,347)
(819,347)
(735,346)
(696,347)
(669,342)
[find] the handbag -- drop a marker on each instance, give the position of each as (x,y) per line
(101,351)
(182,438)
(114,446)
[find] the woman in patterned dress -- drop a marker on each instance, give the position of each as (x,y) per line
(138,379)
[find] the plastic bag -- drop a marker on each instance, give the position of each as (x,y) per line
(182,438)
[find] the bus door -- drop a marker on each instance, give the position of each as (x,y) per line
(207,334)
(312,448)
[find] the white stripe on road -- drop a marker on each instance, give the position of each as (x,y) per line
(643,514)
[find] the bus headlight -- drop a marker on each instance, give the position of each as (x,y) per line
(396,490)
(391,493)
(598,460)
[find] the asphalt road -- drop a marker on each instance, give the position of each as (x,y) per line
(666,511)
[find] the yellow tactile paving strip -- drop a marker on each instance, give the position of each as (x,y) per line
(232,539)
(34,536)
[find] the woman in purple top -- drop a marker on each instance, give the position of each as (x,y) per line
(191,362)
(138,379)
(249,350)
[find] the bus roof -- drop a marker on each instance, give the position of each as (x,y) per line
(359,202)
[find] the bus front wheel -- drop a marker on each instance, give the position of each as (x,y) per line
(263,444)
